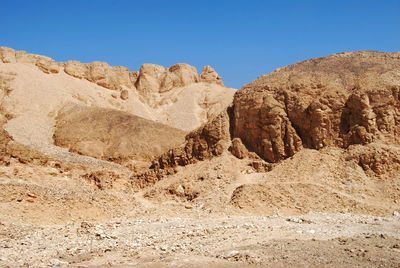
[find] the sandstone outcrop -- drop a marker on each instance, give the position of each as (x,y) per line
(306,105)
(115,78)
(262,124)
(7,55)
(210,140)
(154,79)
(238,149)
(46,64)
(209,75)
(339,100)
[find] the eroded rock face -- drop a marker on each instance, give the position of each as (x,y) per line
(340,100)
(375,158)
(115,78)
(7,55)
(262,123)
(45,64)
(178,75)
(238,149)
(48,66)
(209,75)
(206,142)
(154,79)
(210,140)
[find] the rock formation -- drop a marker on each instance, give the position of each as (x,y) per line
(208,74)
(151,82)
(115,78)
(343,99)
(338,101)
(238,149)
(208,141)
(154,79)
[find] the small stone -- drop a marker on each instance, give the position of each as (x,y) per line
(85,225)
(231,254)
(57,262)
(124,94)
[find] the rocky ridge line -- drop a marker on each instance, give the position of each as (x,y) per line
(151,79)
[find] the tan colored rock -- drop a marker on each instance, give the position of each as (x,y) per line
(23,57)
(113,135)
(375,158)
(262,123)
(238,149)
(178,75)
(48,66)
(154,79)
(76,69)
(133,76)
(149,79)
(209,75)
(124,94)
(337,100)
(7,55)
(208,141)
(101,73)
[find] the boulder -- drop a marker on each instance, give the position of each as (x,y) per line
(238,149)
(124,94)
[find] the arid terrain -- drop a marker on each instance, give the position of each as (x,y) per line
(164,167)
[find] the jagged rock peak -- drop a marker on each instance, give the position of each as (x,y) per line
(208,74)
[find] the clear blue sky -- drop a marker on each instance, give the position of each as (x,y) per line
(240,39)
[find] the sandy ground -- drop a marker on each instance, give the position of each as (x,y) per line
(57,217)
(312,240)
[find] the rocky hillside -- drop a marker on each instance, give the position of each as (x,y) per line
(36,90)
(344,107)
(340,100)
(337,101)
(325,127)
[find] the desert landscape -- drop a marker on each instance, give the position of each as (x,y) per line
(101,166)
